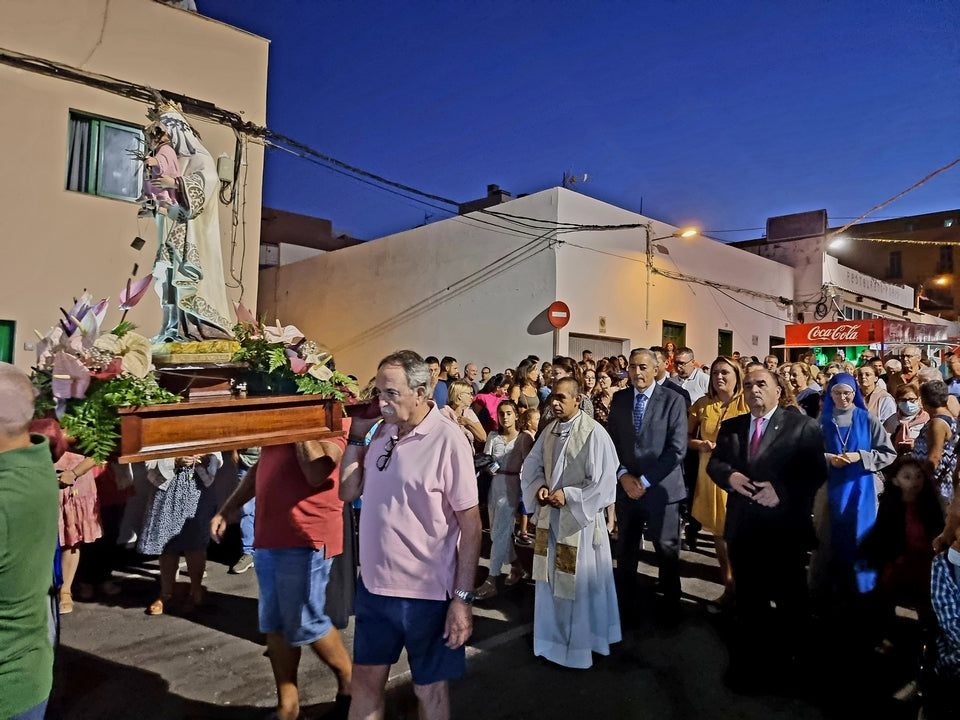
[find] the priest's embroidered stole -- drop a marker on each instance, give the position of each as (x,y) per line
(573,474)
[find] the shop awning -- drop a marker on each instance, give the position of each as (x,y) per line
(865,332)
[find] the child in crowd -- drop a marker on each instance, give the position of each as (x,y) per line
(900,544)
(509,447)
(79,508)
(528,424)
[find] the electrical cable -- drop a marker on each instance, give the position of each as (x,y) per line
(895,197)
(682,276)
(783,320)
(894,241)
(192,106)
(468,282)
(460,218)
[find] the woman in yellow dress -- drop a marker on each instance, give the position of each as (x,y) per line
(724,400)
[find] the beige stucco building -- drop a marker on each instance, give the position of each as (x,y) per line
(58,242)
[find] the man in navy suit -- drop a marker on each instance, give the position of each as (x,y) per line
(771,463)
(648,424)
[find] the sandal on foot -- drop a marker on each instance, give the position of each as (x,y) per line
(487,590)
(156,607)
(66,602)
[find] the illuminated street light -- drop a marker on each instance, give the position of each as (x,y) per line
(687,233)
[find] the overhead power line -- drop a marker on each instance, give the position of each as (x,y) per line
(193,106)
(270,138)
(895,197)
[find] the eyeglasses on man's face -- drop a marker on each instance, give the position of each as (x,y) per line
(384,459)
(681,363)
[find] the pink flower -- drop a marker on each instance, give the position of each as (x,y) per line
(243,315)
(111,370)
(70,380)
(134,291)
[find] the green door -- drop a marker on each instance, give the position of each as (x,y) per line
(724,343)
(7,334)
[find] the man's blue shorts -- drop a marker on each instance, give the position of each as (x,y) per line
(293,593)
(385,625)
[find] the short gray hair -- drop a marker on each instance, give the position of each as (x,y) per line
(16,400)
(645,351)
(414,367)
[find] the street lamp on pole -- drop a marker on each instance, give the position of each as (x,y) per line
(687,233)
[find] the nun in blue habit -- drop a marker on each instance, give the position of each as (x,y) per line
(857,448)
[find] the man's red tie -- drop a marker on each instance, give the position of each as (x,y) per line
(757,437)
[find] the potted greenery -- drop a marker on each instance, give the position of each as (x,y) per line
(281,361)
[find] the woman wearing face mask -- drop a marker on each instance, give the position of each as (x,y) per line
(845,509)
(907,423)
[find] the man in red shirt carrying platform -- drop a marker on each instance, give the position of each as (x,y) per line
(298,529)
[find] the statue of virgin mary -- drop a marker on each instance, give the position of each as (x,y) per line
(188,269)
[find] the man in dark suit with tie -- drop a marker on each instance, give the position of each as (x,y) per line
(771,463)
(648,424)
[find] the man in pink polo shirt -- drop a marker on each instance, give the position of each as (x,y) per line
(419,501)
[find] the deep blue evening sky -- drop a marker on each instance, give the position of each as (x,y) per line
(718,114)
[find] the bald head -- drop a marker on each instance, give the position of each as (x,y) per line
(16,401)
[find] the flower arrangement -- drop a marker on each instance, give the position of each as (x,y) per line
(283,359)
(83,376)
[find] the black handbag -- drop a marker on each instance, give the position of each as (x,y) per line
(481,464)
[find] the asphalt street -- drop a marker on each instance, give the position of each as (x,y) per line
(116,662)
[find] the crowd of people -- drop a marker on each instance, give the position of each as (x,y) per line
(826,494)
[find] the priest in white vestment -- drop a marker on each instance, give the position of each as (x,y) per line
(570,475)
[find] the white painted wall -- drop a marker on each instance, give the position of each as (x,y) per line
(290,253)
(453,287)
(806,257)
(458,287)
(609,279)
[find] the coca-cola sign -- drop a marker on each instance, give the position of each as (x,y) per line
(834,334)
(839,334)
(863,332)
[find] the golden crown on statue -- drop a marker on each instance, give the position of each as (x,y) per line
(163,106)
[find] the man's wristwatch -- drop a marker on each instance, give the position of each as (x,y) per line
(465,595)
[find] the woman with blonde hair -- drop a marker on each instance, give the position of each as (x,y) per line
(724,400)
(459,399)
(806,389)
